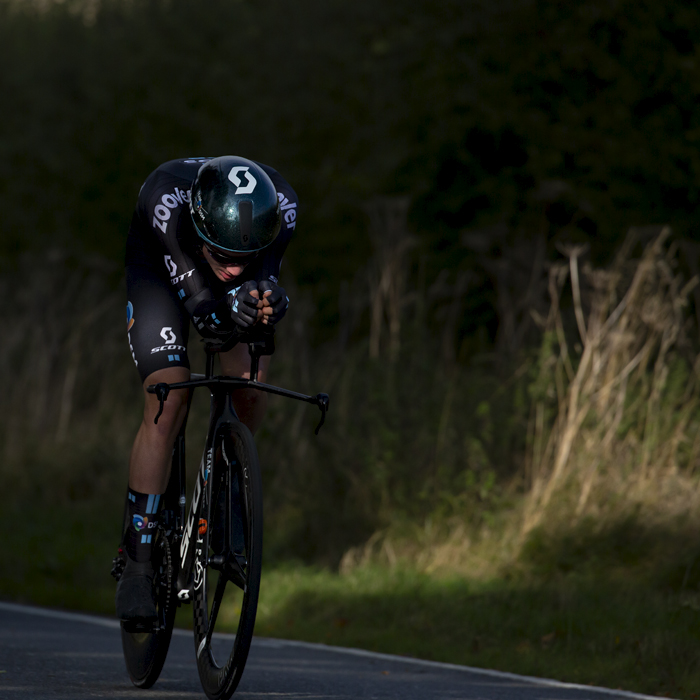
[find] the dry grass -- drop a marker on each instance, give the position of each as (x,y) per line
(614,427)
(61,360)
(421,464)
(624,426)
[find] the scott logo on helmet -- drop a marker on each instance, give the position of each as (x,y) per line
(233,177)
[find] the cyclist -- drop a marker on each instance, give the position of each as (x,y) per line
(205,245)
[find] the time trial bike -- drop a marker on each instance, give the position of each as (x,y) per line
(212,556)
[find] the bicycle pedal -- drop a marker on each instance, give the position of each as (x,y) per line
(118,564)
(136,627)
(218,561)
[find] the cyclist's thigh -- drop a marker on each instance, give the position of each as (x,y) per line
(157,326)
(236,363)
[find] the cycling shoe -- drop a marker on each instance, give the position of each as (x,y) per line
(135,600)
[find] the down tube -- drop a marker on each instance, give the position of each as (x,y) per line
(191,538)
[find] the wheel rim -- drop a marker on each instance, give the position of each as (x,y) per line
(226,599)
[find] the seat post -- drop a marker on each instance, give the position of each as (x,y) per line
(254,351)
(210,364)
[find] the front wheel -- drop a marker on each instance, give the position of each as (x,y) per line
(228,563)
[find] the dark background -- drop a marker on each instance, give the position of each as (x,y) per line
(507,120)
(455,150)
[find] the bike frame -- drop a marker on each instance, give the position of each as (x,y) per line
(221,412)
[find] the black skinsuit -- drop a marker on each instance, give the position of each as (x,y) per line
(168,280)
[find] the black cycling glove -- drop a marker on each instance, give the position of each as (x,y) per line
(244,307)
(278,300)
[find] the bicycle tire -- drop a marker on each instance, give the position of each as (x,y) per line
(144,651)
(235,454)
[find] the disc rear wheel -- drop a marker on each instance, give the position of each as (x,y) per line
(145,650)
(228,564)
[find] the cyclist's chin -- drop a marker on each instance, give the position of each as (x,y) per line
(228,274)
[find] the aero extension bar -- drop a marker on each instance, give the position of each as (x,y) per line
(259,343)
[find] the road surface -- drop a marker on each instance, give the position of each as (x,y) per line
(59,655)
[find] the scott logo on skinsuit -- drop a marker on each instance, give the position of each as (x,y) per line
(180,278)
(171,265)
(167,335)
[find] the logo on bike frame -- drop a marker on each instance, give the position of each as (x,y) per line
(129,316)
(200,575)
(140,522)
(207,466)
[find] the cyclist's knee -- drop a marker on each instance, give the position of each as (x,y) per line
(175,406)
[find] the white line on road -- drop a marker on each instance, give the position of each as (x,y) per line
(60,615)
(279,643)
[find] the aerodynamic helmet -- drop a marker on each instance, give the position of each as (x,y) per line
(234,205)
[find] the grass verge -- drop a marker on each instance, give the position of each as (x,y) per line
(60,557)
(634,626)
(578,629)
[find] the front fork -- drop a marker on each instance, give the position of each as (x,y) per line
(194,545)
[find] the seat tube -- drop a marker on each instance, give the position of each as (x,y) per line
(254,353)
(210,365)
(182,499)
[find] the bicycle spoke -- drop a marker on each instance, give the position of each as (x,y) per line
(236,574)
(245,512)
(215,605)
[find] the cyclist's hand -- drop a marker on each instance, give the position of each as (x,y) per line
(245,304)
(274,302)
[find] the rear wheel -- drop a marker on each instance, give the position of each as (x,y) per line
(145,650)
(228,564)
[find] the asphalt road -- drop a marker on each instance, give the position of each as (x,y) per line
(47,654)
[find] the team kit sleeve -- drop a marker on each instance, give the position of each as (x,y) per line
(289,209)
(164,206)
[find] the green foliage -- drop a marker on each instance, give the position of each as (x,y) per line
(613,633)
(404,441)
(63,552)
(573,120)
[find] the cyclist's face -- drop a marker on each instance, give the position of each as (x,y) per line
(229,268)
